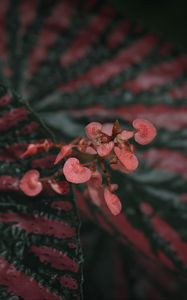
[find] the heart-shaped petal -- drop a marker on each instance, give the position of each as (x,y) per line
(113,202)
(93,129)
(127,158)
(75,172)
(146,131)
(64,151)
(30,183)
(105,149)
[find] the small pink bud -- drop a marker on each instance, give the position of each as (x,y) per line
(127,158)
(146,131)
(105,149)
(75,172)
(112,202)
(60,187)
(46,145)
(64,151)
(30,183)
(32,149)
(93,129)
(125,135)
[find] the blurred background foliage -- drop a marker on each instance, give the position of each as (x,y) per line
(168,18)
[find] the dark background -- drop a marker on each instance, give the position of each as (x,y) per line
(167,18)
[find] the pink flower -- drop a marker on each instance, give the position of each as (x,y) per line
(64,151)
(93,129)
(60,187)
(145,131)
(127,158)
(75,172)
(112,201)
(105,149)
(30,183)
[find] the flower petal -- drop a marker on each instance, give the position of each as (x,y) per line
(30,183)
(107,128)
(146,131)
(125,135)
(127,158)
(105,149)
(113,202)
(75,172)
(92,130)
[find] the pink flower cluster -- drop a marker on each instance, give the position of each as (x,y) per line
(87,160)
